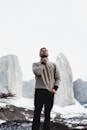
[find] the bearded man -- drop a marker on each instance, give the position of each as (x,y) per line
(47,82)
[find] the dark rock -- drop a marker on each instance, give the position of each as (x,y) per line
(21,119)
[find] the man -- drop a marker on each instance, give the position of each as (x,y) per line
(47,82)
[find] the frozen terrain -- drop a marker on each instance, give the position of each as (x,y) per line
(10,75)
(65,94)
(72,116)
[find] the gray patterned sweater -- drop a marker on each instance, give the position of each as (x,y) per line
(46,75)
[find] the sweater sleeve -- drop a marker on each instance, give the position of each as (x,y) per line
(37,69)
(57,76)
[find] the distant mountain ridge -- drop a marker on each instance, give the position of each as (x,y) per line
(80,90)
(28,88)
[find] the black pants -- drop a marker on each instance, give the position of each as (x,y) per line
(42,97)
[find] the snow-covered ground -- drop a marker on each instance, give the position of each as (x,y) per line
(71,110)
(22,102)
(72,115)
(67,112)
(2,121)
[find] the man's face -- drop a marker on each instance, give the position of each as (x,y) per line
(44,52)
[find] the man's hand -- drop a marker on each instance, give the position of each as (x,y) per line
(53,91)
(44,60)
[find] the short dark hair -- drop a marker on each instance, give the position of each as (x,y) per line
(42,48)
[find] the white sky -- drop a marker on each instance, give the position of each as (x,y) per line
(60,25)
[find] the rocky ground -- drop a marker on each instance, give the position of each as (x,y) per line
(21,119)
(26,125)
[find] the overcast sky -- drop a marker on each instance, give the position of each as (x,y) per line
(60,25)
